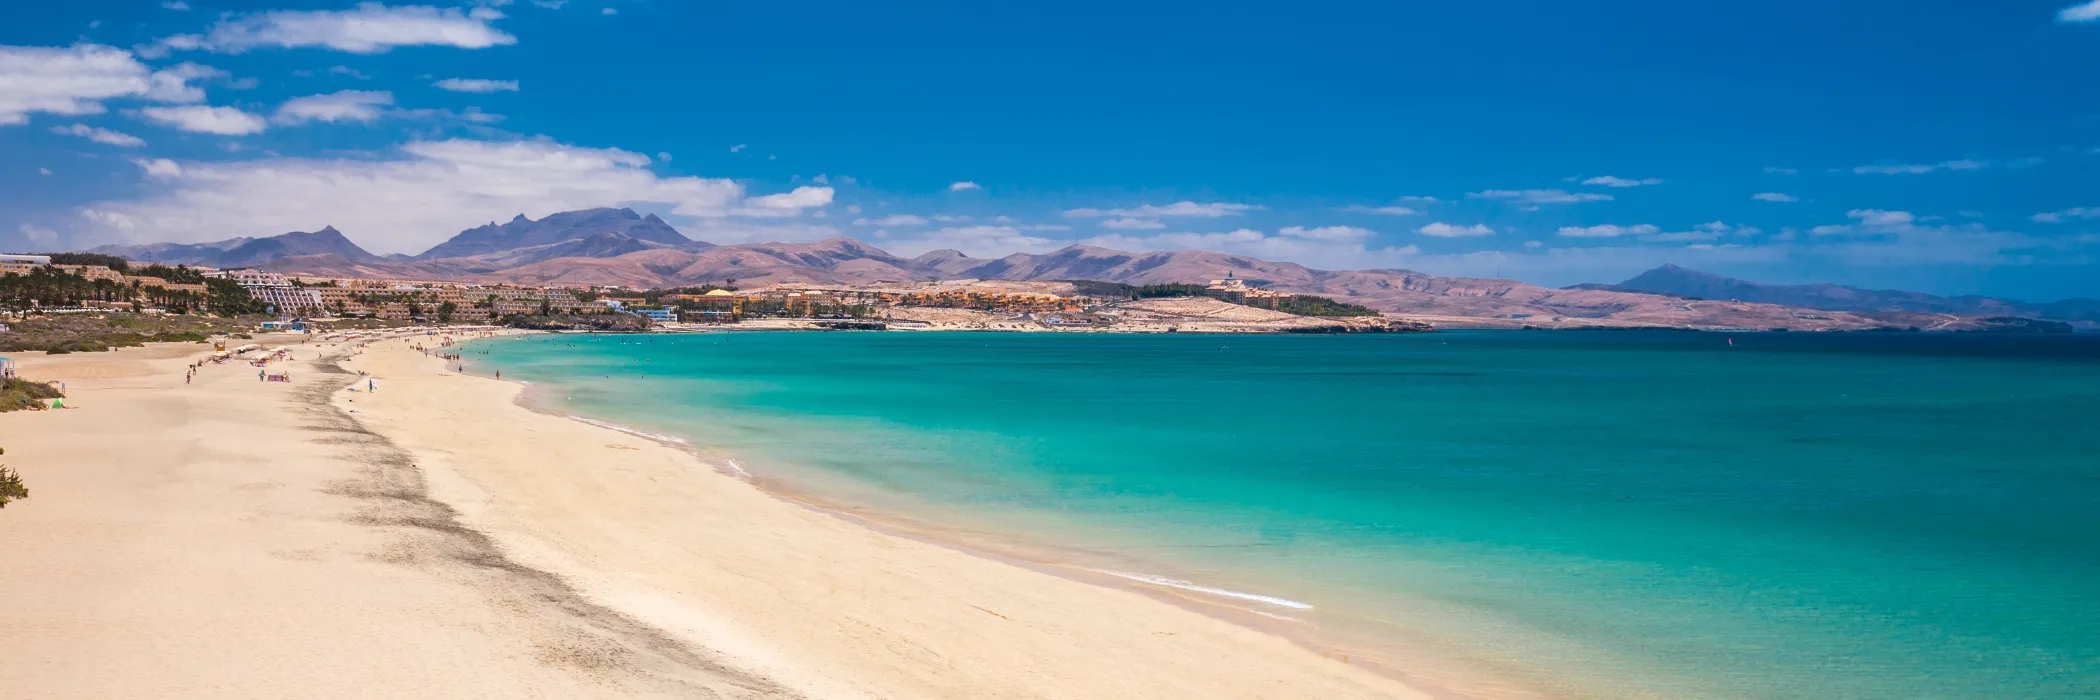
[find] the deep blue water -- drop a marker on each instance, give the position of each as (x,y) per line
(1593,514)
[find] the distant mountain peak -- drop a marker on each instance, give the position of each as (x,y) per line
(525,233)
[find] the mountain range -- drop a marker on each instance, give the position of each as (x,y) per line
(621,247)
(1681,282)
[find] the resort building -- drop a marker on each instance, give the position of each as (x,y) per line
(715,306)
(92,272)
(288,299)
(1234,289)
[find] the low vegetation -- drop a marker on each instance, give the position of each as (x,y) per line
(1298,305)
(578,322)
(93,332)
(11,488)
(20,394)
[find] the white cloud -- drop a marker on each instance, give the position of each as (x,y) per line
(348,71)
(176,5)
(1335,247)
(1131,224)
(1387,211)
(1328,233)
(159,167)
(476,85)
(1920,168)
(951,218)
(1877,217)
(790,203)
(1781,171)
(1609,181)
(100,135)
(44,172)
(343,106)
(1607,231)
(739,148)
(369,28)
(551,4)
(75,80)
(963,186)
(1444,230)
(173,84)
(1775,197)
(2084,12)
(471,114)
(892,220)
(1417,199)
(608,11)
(1541,196)
(38,235)
(1870,221)
(203,119)
(976,241)
(1181,208)
(2056,217)
(426,193)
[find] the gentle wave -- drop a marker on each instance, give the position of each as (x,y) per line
(629,431)
(1187,586)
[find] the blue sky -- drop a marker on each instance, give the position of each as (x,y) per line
(1945,146)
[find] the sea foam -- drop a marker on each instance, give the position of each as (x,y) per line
(1187,586)
(630,431)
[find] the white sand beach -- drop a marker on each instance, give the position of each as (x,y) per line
(238,538)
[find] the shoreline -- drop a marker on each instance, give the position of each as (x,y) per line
(1182,602)
(1097,569)
(187,538)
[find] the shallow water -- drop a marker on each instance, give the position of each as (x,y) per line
(1592,514)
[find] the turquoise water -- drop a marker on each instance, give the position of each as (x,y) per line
(1588,514)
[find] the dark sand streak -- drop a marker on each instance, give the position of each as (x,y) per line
(572,632)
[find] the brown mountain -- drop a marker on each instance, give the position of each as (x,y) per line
(1449,301)
(522,233)
(1678,281)
(618,247)
(246,252)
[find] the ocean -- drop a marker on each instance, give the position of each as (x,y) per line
(1580,514)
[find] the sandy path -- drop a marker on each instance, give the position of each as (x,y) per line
(243,539)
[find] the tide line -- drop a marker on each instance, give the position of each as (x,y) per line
(629,431)
(1187,586)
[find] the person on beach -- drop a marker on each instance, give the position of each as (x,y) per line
(371,386)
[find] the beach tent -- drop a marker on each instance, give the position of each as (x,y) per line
(7,368)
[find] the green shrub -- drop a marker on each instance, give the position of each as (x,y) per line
(11,488)
(18,394)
